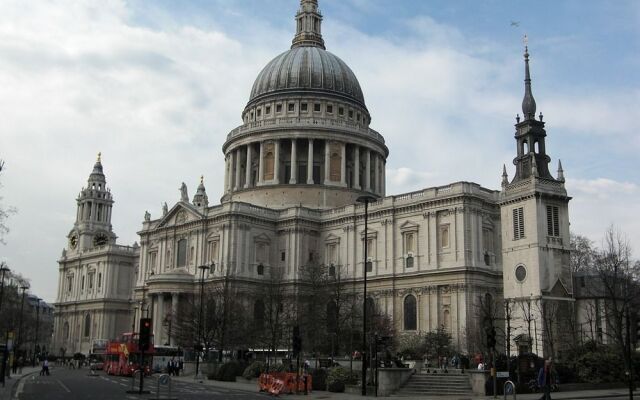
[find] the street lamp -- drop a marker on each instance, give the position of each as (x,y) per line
(3,268)
(198,346)
(35,342)
(366,199)
(15,347)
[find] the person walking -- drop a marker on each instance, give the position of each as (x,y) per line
(544,380)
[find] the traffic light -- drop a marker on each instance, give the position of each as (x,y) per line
(491,338)
(297,340)
(145,334)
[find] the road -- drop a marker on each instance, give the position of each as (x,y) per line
(72,384)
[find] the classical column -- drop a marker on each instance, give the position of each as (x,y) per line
(276,162)
(174,313)
(261,165)
(226,173)
(327,159)
(383,178)
(343,165)
(294,163)
(376,165)
(356,169)
(367,170)
(310,163)
(247,178)
(159,334)
(238,186)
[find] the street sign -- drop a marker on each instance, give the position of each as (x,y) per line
(503,374)
(164,379)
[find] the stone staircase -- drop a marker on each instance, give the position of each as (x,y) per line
(424,384)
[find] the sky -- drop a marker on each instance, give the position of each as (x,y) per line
(157,85)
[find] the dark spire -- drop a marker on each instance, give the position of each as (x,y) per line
(528,102)
(308,25)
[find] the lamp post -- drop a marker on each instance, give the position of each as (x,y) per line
(15,347)
(3,269)
(35,342)
(198,346)
(366,199)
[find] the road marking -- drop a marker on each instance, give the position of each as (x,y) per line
(63,386)
(20,388)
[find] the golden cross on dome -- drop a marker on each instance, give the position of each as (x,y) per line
(99,156)
(525,40)
(201,179)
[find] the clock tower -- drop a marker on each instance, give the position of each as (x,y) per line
(93,217)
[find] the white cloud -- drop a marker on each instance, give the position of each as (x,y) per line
(80,78)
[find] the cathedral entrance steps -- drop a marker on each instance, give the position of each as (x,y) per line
(440,383)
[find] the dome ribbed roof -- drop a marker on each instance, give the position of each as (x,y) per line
(307,68)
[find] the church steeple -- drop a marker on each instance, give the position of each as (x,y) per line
(528,102)
(308,25)
(531,159)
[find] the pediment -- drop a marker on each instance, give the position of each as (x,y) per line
(331,238)
(370,233)
(262,238)
(559,290)
(409,226)
(179,214)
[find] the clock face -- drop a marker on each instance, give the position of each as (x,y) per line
(73,241)
(100,239)
(521,273)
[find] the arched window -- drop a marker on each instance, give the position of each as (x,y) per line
(332,317)
(258,313)
(87,325)
(410,311)
(332,270)
(260,269)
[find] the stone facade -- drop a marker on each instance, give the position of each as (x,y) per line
(293,173)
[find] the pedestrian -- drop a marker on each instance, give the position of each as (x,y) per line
(544,380)
(180,366)
(14,365)
(169,367)
(45,368)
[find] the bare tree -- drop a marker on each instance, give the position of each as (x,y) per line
(5,212)
(618,276)
(582,253)
(274,312)
(313,307)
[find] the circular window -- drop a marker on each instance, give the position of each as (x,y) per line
(521,273)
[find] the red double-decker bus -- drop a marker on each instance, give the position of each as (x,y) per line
(123,356)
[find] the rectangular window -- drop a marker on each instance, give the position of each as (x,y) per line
(283,256)
(329,109)
(316,107)
(340,111)
(303,107)
(69,283)
(99,280)
(553,221)
(350,113)
(181,260)
(369,266)
(292,107)
(278,108)
(82,283)
(90,281)
(259,112)
(518,223)
(267,110)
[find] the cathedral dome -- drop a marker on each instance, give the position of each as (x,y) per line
(307,69)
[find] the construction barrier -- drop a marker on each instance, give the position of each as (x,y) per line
(276,383)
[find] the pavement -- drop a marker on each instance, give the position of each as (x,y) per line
(251,386)
(11,382)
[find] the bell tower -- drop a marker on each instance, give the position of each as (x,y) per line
(535,234)
(93,216)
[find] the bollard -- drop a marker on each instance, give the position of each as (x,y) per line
(509,388)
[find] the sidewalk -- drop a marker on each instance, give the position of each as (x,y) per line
(252,386)
(11,382)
